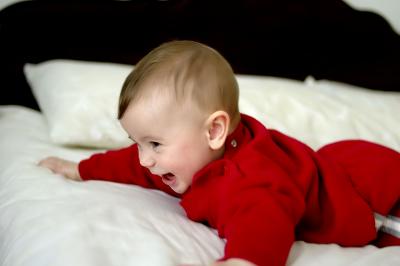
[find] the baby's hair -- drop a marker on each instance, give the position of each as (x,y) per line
(193,69)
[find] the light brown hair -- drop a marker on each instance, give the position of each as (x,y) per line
(194,70)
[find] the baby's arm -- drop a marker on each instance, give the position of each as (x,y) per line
(64,167)
(120,166)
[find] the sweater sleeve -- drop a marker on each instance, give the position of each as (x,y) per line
(262,218)
(121,166)
(267,195)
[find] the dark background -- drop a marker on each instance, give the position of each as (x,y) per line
(323,38)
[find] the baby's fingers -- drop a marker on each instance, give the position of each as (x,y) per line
(48,162)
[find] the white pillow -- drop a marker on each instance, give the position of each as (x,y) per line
(320,112)
(79,100)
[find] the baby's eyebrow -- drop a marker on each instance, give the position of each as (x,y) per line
(145,139)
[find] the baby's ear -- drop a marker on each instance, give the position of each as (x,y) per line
(217,129)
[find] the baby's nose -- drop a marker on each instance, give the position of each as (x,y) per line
(146,160)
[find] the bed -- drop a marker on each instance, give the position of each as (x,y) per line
(319,72)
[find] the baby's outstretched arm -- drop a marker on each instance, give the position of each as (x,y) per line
(69,169)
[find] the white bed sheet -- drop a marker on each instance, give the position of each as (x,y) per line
(48,220)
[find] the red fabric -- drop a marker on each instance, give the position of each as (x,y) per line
(271,189)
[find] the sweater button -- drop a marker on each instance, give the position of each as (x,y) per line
(234,143)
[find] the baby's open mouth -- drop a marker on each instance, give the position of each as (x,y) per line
(168,179)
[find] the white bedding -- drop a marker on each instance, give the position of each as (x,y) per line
(48,220)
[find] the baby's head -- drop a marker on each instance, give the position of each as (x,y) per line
(189,71)
(179,104)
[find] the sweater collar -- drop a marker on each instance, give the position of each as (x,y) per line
(240,136)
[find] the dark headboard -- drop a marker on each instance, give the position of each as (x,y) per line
(326,39)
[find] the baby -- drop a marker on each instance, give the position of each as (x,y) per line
(259,188)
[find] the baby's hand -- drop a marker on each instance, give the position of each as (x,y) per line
(233,262)
(66,168)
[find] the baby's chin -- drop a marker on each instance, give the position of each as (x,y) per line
(179,189)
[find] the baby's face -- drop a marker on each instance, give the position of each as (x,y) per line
(172,139)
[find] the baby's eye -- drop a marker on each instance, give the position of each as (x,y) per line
(154,144)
